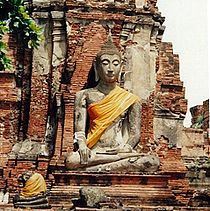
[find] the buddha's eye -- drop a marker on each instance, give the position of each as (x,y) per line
(105,62)
(116,62)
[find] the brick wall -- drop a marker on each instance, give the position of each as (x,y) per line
(201,111)
(147,130)
(172,164)
(170,92)
(9,104)
(39,107)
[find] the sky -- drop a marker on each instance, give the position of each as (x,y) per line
(187,28)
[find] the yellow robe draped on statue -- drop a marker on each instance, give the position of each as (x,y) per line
(34,186)
(103,113)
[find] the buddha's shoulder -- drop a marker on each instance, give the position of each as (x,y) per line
(86,92)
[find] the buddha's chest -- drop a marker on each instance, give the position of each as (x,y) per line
(93,97)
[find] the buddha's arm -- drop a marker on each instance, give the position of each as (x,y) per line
(134,124)
(80,110)
(80,125)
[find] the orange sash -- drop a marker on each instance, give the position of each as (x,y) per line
(103,113)
(34,185)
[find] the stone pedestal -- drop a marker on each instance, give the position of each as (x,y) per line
(122,190)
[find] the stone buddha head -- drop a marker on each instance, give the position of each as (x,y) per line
(108,63)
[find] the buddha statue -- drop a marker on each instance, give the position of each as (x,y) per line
(107,122)
(33,191)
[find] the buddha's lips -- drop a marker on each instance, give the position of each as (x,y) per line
(110,75)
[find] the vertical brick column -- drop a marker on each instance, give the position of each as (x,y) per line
(40,87)
(170,92)
(9,114)
(147,130)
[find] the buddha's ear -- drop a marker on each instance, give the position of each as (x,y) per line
(121,65)
(119,76)
(121,68)
(95,71)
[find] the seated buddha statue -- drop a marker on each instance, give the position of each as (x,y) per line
(33,191)
(107,122)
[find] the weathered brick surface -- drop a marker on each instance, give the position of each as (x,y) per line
(147,133)
(39,107)
(170,92)
(9,115)
(201,111)
(9,102)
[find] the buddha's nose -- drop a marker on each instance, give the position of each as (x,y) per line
(110,69)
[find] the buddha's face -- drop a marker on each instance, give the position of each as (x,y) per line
(109,67)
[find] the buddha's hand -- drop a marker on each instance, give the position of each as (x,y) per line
(84,152)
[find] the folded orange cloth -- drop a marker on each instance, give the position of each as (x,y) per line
(104,112)
(34,186)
